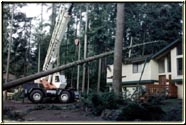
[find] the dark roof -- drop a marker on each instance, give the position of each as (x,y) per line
(136,82)
(160,53)
(138,59)
(166,49)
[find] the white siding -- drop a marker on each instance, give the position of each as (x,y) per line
(174,57)
(154,70)
(180,91)
(174,64)
(128,75)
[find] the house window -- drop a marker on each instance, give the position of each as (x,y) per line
(169,63)
(137,68)
(179,49)
(179,66)
(161,65)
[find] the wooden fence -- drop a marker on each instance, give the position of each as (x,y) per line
(164,90)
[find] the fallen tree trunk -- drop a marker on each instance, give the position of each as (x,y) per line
(26,79)
(45,73)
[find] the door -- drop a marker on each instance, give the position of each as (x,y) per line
(162,79)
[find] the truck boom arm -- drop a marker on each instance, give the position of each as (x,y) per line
(58,33)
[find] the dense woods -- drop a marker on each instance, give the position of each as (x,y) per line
(144,22)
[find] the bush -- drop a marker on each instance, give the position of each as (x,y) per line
(113,108)
(18,96)
(9,113)
(155,99)
(132,111)
(153,112)
(145,112)
(98,102)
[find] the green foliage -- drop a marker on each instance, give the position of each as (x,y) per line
(156,99)
(152,21)
(143,21)
(18,96)
(98,102)
(21,58)
(9,113)
(143,112)
(126,110)
(131,112)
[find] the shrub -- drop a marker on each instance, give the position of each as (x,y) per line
(113,108)
(9,113)
(153,112)
(132,111)
(97,102)
(145,112)
(18,96)
(155,99)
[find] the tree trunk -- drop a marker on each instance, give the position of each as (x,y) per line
(85,50)
(117,79)
(48,72)
(9,49)
(88,82)
(99,75)
(21,81)
(78,68)
(39,44)
(53,19)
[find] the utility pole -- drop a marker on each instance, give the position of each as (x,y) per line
(85,50)
(9,49)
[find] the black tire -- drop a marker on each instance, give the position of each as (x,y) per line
(65,97)
(36,96)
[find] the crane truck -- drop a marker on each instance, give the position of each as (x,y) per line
(54,85)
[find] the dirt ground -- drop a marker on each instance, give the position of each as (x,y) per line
(17,111)
(55,112)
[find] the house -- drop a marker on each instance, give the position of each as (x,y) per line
(163,68)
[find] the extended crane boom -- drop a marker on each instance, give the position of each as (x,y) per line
(54,84)
(58,33)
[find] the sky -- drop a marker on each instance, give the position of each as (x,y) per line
(34,10)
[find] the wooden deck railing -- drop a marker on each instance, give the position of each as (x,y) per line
(164,90)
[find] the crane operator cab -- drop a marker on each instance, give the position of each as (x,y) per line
(54,81)
(59,80)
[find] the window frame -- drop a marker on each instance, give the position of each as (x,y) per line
(178,66)
(138,69)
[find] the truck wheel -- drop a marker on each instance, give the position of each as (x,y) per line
(65,97)
(36,96)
